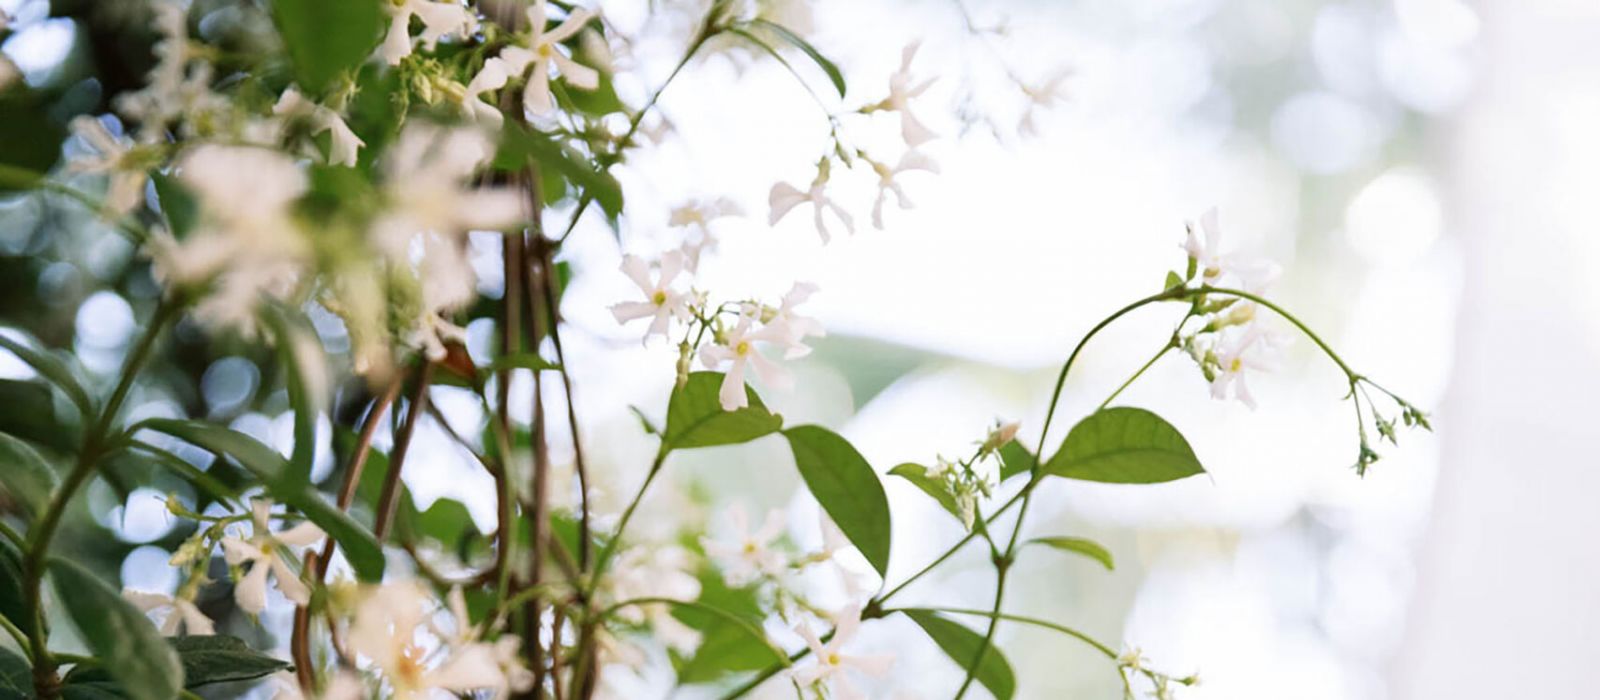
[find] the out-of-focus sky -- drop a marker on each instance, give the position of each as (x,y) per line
(1424,170)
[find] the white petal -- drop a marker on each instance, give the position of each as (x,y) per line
(578,75)
(194,621)
(732,393)
(574,22)
(251,591)
(875,664)
(397,44)
(301,535)
(783,198)
(631,310)
(913,130)
(146,602)
(236,551)
(292,587)
(536,96)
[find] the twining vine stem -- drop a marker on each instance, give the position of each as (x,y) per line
(874,608)
(95,445)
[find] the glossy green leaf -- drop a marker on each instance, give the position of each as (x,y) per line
(360,547)
(1173,280)
(53,369)
(16,677)
(799,42)
(30,141)
(962,645)
(25,474)
(729,622)
(842,481)
(1016,459)
(201,479)
(177,204)
(695,417)
(1079,545)
(935,488)
(222,659)
(306,365)
(11,589)
(28,411)
(325,39)
(118,634)
(1124,445)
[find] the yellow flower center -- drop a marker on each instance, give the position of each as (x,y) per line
(408,667)
(833,658)
(742,349)
(659,298)
(1236,365)
(546,50)
(749,547)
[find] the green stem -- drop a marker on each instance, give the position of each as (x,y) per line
(1105,650)
(20,636)
(94,447)
(773,670)
(1147,365)
(704,35)
(22,178)
(611,545)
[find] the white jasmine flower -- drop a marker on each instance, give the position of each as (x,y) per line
(737,348)
(172,612)
(902,89)
(662,303)
(537,61)
(1203,242)
(696,216)
(126,189)
(1244,349)
(1041,96)
(391,629)
(344,146)
(656,572)
(263,551)
(785,197)
(831,661)
(749,556)
(793,327)
(504,652)
(246,244)
(439,20)
(912,160)
(431,207)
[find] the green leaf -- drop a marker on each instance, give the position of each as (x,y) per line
(799,42)
(300,350)
(695,417)
(16,677)
(1173,280)
(327,38)
(1124,445)
(11,596)
(520,144)
(521,360)
(222,659)
(177,203)
(360,547)
(98,690)
(118,634)
(206,660)
(918,476)
(847,488)
(1016,459)
(30,141)
(729,622)
(53,369)
(188,472)
(962,644)
(1079,545)
(28,411)
(25,474)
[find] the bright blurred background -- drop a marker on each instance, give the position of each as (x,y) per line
(1425,170)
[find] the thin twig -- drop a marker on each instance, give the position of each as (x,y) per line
(389,499)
